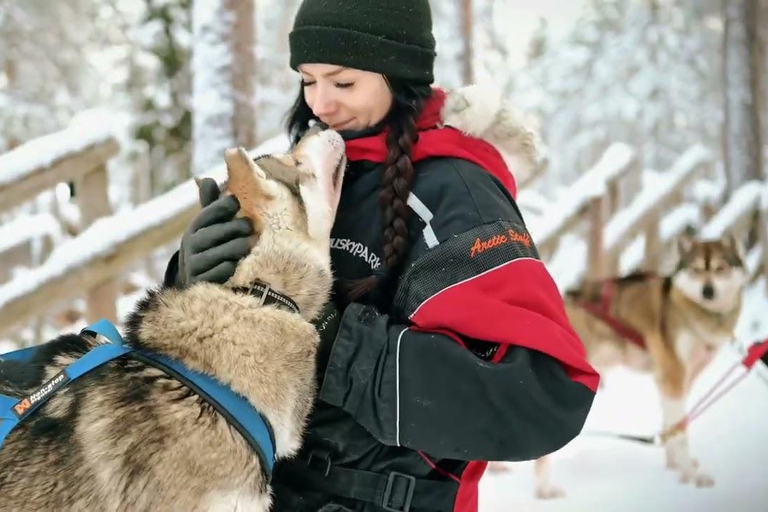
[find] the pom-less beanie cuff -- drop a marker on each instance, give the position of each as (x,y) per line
(342,47)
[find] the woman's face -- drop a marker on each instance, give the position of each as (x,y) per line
(345,98)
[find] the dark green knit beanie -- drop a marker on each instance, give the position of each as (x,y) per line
(391,37)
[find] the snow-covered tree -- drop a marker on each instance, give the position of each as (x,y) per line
(44,79)
(446,19)
(744,79)
(159,84)
(278,84)
(630,71)
(223,79)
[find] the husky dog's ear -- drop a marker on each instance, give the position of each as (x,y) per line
(248,183)
(685,244)
(735,247)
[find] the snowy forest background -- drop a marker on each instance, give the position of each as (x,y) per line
(177,81)
(657,74)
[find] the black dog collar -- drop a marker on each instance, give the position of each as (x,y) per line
(267,295)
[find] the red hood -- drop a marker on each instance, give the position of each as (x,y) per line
(437,141)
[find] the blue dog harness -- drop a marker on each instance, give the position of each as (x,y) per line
(237,410)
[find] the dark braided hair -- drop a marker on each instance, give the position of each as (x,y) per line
(408,100)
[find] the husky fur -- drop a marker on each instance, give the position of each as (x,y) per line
(684,319)
(129,437)
(480,111)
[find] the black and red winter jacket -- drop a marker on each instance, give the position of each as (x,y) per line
(473,360)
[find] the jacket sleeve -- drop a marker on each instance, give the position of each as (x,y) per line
(477,360)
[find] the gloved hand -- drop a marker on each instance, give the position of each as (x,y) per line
(215,240)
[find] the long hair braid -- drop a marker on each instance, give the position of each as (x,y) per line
(396,180)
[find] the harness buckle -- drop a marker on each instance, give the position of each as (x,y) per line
(320,457)
(263,290)
(406,503)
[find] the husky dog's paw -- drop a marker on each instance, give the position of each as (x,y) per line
(672,463)
(499,467)
(549,492)
(699,478)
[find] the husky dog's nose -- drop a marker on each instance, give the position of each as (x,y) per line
(708,292)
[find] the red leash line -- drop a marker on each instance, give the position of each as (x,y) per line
(755,353)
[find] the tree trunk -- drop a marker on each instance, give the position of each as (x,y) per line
(11,78)
(223,79)
(468,72)
(742,137)
(759,27)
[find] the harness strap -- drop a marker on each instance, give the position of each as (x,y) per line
(393,491)
(255,429)
(13,410)
(238,412)
(602,311)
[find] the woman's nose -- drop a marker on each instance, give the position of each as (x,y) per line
(324,105)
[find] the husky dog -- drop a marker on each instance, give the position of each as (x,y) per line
(129,437)
(680,322)
(481,112)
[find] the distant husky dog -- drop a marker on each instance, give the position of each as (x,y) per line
(129,437)
(680,322)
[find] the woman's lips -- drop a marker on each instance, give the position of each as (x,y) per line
(339,126)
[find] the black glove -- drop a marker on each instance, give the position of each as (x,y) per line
(327,325)
(215,240)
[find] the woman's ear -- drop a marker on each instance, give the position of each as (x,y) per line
(248,183)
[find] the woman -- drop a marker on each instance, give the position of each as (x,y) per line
(453,347)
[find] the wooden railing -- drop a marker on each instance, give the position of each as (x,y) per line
(611,240)
(102,251)
(610,237)
(597,190)
(78,155)
(745,212)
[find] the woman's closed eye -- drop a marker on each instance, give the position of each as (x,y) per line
(339,85)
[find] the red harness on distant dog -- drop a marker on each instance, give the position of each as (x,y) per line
(602,310)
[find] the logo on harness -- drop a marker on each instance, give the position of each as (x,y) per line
(40,394)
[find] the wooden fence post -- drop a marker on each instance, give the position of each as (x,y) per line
(653,245)
(596,257)
(762,234)
(93,199)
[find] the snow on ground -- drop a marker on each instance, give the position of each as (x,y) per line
(604,474)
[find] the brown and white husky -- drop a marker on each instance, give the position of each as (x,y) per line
(129,437)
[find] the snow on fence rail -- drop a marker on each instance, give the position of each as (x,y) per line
(27,240)
(78,154)
(747,209)
(603,253)
(103,250)
(600,181)
(68,155)
(644,214)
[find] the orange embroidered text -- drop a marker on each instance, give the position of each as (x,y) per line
(523,238)
(482,246)
(511,236)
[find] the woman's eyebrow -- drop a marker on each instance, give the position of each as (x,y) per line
(328,74)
